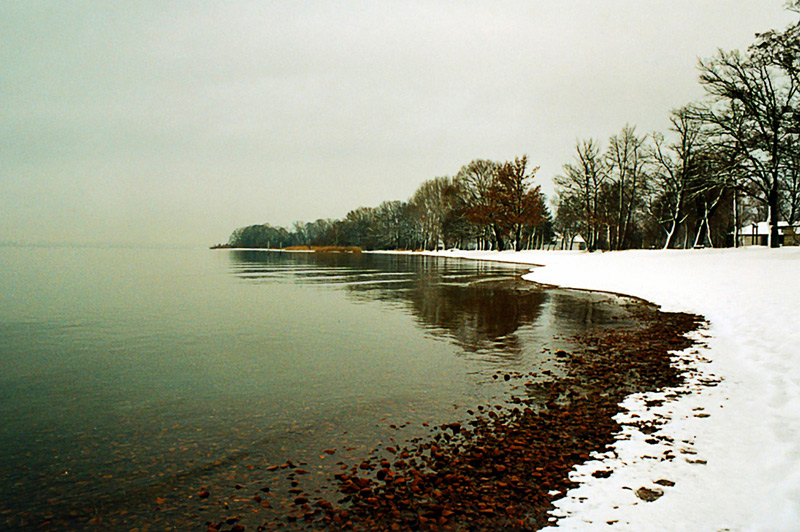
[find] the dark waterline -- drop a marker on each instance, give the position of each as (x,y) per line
(131,379)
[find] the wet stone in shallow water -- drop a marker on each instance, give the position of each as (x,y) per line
(504,470)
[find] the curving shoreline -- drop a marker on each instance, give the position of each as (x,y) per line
(506,466)
(739,421)
(744,433)
(506,469)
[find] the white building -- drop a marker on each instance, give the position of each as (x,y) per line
(570,243)
(757,234)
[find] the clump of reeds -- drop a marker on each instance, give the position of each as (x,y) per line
(336,249)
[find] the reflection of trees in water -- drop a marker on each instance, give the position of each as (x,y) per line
(480,305)
(479,316)
(477,313)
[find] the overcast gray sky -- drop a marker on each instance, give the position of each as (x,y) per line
(176,122)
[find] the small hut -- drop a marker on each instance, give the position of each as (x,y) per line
(757,234)
(570,242)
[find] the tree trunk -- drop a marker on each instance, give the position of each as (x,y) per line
(628,216)
(675,217)
(773,215)
(708,233)
(735,218)
(670,234)
(699,234)
(501,245)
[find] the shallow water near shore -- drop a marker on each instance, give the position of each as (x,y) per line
(133,381)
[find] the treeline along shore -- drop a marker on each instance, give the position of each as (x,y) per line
(728,160)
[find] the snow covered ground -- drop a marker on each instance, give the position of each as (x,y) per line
(736,445)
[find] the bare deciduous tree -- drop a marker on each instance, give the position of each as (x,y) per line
(677,166)
(754,108)
(581,184)
(626,160)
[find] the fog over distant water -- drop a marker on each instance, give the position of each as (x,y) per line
(145,122)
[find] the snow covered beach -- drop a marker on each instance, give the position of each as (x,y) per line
(736,444)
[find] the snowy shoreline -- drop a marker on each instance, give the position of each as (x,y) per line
(736,436)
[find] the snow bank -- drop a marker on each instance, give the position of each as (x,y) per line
(736,445)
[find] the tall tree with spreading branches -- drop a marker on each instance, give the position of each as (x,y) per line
(755,110)
(516,201)
(582,184)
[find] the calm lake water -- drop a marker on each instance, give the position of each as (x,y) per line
(131,380)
